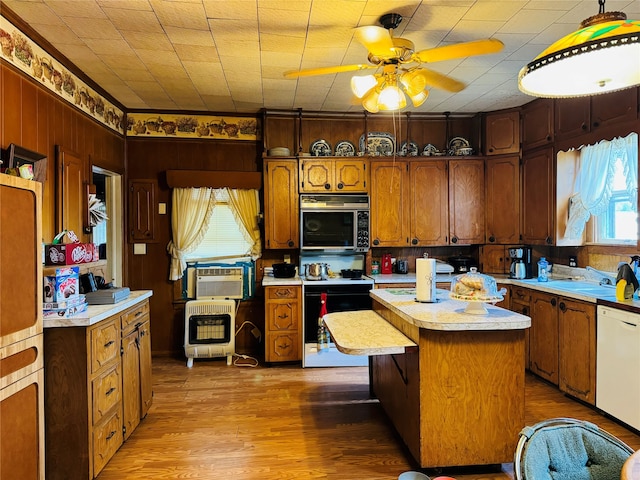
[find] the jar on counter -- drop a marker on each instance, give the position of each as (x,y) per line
(375,267)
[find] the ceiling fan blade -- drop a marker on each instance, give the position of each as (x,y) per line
(438,80)
(459,50)
(376,39)
(326,70)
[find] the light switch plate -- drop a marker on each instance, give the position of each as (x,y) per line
(162,209)
(139,248)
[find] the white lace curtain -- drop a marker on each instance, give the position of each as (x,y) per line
(593,185)
(192,209)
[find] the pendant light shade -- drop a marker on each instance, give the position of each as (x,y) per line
(602,56)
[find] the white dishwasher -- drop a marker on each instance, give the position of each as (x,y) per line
(618,364)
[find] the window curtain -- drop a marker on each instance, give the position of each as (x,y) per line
(245,206)
(192,209)
(595,177)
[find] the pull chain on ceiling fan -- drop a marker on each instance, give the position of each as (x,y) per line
(401,70)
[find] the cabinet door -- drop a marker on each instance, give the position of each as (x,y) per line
(283,323)
(502,187)
(146,375)
(538,197)
(502,133)
(572,117)
(523,308)
(389,204)
(614,107)
(466,201)
(537,123)
(316,176)
(494,259)
(577,347)
(351,175)
(131,383)
(543,347)
(429,194)
(281,204)
(142,210)
(71,193)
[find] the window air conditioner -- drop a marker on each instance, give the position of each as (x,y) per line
(219,282)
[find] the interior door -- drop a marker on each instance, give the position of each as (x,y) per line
(71,193)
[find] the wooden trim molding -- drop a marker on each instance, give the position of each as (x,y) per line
(213,179)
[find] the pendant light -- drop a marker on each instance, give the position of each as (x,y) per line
(602,56)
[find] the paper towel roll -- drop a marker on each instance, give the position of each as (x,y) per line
(425,280)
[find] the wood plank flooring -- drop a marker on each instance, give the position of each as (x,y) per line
(215,421)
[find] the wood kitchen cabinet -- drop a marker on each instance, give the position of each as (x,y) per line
(98,387)
(577,348)
(283,321)
(72,208)
(466,201)
(142,210)
(390,203)
(521,303)
(22,450)
(572,117)
(502,132)
(543,336)
(538,197)
(537,123)
(429,203)
(281,208)
(502,190)
(331,175)
(613,108)
(136,366)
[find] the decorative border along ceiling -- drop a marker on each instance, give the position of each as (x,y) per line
(22,52)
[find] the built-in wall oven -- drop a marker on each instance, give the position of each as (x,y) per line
(343,294)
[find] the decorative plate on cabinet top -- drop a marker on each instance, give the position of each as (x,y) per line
(320,148)
(429,150)
(409,150)
(345,149)
(456,144)
(378,144)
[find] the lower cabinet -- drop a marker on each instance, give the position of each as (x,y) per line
(543,336)
(283,323)
(93,392)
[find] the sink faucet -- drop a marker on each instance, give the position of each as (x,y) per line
(605,278)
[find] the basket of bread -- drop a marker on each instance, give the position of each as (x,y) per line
(476,289)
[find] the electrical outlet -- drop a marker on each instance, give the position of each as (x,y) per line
(257,333)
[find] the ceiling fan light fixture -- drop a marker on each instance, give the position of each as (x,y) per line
(602,56)
(360,85)
(419,98)
(392,98)
(370,101)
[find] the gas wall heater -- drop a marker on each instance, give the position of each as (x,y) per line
(219,282)
(209,329)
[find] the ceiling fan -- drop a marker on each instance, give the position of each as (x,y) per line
(401,66)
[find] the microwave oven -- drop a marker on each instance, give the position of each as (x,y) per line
(336,223)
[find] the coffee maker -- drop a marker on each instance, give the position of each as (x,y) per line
(521,265)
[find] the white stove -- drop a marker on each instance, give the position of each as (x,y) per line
(343,294)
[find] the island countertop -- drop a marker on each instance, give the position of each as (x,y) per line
(445,313)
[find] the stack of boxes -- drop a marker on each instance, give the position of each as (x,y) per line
(62,293)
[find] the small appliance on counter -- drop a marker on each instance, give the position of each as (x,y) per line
(386,267)
(462,264)
(521,265)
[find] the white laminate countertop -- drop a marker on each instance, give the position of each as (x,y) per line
(447,314)
(97,313)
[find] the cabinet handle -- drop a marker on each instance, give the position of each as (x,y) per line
(327,186)
(548,240)
(492,239)
(111,434)
(376,242)
(490,150)
(596,124)
(454,239)
(139,313)
(548,138)
(110,391)
(414,241)
(340,186)
(109,343)
(291,243)
(553,302)
(563,307)
(525,311)
(584,126)
(283,316)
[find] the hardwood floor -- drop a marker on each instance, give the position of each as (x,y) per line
(279,423)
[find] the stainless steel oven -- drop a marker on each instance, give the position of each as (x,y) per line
(334,223)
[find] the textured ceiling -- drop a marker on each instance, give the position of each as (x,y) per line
(229,55)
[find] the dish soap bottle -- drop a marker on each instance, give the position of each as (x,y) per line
(543,265)
(323,333)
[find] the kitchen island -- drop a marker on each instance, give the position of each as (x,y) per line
(458,398)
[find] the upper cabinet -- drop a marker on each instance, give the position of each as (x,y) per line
(390,203)
(72,209)
(572,117)
(537,123)
(502,132)
(466,201)
(538,197)
(281,208)
(142,210)
(615,107)
(502,190)
(329,175)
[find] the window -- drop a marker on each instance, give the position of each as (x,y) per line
(225,237)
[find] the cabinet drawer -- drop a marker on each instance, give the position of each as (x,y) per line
(282,347)
(20,359)
(523,295)
(135,315)
(105,344)
(107,438)
(275,293)
(106,391)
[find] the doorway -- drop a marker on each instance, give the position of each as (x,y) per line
(108,235)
